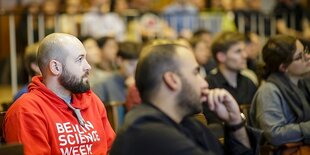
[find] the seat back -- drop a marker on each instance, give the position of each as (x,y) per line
(2,114)
(113,113)
(294,148)
(201,118)
(12,149)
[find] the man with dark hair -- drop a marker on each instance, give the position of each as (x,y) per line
(114,88)
(31,66)
(228,50)
(202,35)
(172,90)
(60,114)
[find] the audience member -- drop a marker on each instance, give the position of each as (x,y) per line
(181,15)
(228,50)
(133,97)
(60,114)
(281,107)
(202,54)
(96,75)
(107,22)
(291,18)
(108,51)
(206,36)
(70,21)
(50,10)
(172,89)
(30,59)
(252,48)
(114,88)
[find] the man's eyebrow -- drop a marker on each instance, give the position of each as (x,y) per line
(79,56)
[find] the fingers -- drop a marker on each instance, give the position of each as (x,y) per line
(216,97)
(211,100)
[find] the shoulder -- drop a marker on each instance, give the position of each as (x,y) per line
(27,100)
(213,78)
(267,93)
(29,105)
(250,76)
(268,88)
(153,137)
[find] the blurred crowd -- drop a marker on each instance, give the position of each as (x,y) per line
(227,38)
(108,27)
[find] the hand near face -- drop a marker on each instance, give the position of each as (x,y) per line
(223,105)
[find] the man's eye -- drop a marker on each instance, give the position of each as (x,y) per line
(197,71)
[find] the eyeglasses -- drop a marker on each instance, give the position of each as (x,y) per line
(304,56)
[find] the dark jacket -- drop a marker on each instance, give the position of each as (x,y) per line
(148,131)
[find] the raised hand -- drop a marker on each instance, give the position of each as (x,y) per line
(223,105)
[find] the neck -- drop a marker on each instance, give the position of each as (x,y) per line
(294,79)
(169,109)
(229,75)
(56,88)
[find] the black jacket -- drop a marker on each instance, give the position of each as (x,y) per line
(148,131)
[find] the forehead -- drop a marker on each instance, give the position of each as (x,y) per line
(237,46)
(299,48)
(74,48)
(185,57)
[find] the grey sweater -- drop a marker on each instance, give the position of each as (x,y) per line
(271,113)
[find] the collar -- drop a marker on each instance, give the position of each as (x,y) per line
(221,79)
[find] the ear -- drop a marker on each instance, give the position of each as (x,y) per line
(283,67)
(35,68)
(55,67)
(221,57)
(171,80)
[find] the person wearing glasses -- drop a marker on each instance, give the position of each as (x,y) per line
(281,106)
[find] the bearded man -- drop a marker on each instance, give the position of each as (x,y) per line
(172,89)
(60,114)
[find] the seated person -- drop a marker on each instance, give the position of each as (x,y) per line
(60,114)
(281,107)
(206,36)
(172,90)
(228,50)
(31,65)
(201,53)
(96,75)
(133,98)
(114,88)
(108,52)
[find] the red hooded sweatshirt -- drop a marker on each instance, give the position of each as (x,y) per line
(44,124)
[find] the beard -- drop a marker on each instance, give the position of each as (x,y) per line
(188,99)
(73,83)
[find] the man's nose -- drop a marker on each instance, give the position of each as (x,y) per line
(244,54)
(87,67)
(204,83)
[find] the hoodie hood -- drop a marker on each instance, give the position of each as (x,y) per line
(79,101)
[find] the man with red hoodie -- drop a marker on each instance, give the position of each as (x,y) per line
(60,114)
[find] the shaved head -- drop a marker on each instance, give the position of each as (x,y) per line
(55,46)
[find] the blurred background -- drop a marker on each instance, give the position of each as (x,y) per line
(25,22)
